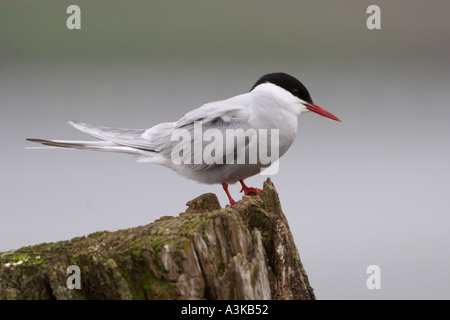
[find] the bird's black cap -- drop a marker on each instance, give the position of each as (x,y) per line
(286,82)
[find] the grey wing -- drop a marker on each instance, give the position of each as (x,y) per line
(135,138)
(213,111)
(218,116)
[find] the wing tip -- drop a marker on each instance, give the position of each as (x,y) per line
(44,142)
(73,123)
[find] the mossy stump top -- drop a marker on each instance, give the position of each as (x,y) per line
(208,252)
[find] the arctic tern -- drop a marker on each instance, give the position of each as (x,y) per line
(274,102)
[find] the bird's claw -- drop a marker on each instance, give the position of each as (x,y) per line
(247,191)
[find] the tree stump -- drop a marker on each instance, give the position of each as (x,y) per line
(208,252)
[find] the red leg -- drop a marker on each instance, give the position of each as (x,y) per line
(248,190)
(225,187)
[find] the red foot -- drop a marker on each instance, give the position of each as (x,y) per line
(248,190)
(225,187)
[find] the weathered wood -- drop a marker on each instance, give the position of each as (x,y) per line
(207,252)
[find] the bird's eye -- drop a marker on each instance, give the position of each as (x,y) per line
(295,91)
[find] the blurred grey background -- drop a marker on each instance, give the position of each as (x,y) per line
(371,190)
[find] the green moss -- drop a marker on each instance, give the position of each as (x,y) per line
(97,234)
(142,282)
(135,251)
(205,235)
(37,250)
(186,247)
(18,258)
(36,261)
(158,243)
(255,273)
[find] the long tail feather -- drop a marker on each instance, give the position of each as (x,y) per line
(90,145)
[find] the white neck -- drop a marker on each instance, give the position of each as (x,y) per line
(280,97)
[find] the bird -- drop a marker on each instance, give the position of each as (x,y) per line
(274,102)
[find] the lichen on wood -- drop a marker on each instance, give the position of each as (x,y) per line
(208,252)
